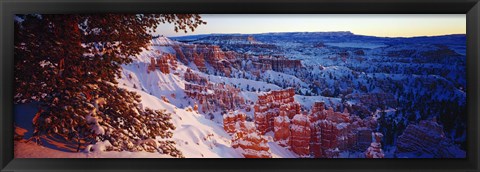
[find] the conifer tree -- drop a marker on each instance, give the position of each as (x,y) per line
(70,63)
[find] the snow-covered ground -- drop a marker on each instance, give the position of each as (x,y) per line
(24,149)
(308,101)
(195,135)
(356,45)
(384,66)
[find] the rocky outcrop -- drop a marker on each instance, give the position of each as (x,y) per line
(231,119)
(281,126)
(279,63)
(269,105)
(201,55)
(210,96)
(257,64)
(199,61)
(222,62)
(192,77)
(165,99)
(322,133)
(375,149)
(164,63)
(214,97)
(260,68)
(329,134)
(180,55)
(251,142)
(427,139)
(300,140)
(318,114)
(332,132)
(195,107)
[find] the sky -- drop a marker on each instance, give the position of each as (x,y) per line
(383,25)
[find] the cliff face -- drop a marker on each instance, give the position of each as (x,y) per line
(427,138)
(300,140)
(271,104)
(163,62)
(215,96)
(201,55)
(281,131)
(251,142)
(321,133)
(231,119)
(259,64)
(212,96)
(332,132)
(192,77)
(280,63)
(316,137)
(199,61)
(222,62)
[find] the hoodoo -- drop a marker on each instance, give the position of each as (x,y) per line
(269,105)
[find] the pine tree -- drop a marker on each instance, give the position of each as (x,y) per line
(69,64)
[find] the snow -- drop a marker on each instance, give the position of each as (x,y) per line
(354,154)
(199,137)
(356,45)
(278,76)
(300,117)
(280,119)
(98,147)
(31,150)
(96,127)
(163,41)
(240,82)
(342,125)
(308,101)
(195,136)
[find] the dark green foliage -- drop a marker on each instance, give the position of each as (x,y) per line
(69,63)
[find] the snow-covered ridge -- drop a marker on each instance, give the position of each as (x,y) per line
(162,41)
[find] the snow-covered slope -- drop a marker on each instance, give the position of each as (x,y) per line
(162,41)
(195,135)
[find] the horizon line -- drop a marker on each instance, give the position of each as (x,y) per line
(447,34)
